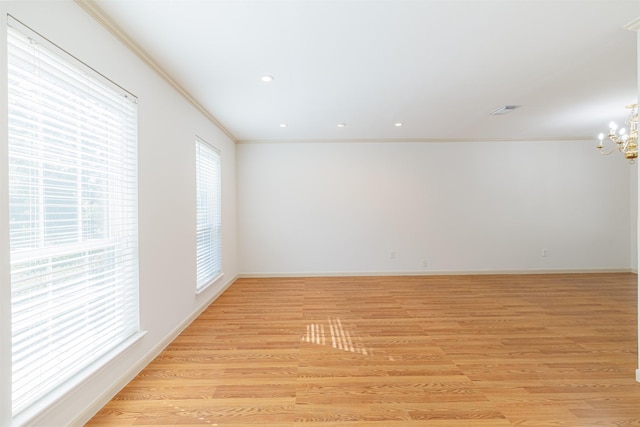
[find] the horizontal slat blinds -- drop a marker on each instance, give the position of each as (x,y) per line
(209,239)
(73,215)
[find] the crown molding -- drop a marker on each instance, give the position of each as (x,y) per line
(409,140)
(633,25)
(98,14)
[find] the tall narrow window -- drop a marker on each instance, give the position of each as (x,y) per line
(73,215)
(209,238)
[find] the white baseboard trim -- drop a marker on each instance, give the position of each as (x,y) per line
(638,375)
(82,418)
(256,275)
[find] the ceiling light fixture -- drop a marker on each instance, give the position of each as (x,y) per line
(398,124)
(505,109)
(341,125)
(283,125)
(625,142)
(267,78)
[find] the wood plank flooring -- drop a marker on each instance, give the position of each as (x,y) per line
(494,350)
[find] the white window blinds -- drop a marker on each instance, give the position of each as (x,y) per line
(209,239)
(73,215)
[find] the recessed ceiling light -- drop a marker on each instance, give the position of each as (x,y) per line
(341,125)
(267,78)
(398,124)
(283,125)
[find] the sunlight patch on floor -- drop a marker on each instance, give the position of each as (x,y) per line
(341,338)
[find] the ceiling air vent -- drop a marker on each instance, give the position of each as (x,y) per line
(503,110)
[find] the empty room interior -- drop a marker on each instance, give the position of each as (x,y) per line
(325,213)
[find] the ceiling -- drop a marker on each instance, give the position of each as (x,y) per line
(437,67)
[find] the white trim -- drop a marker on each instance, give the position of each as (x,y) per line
(37,412)
(96,13)
(102,334)
(426,273)
(208,165)
(413,140)
(83,417)
(209,283)
(633,25)
(638,375)
(5,287)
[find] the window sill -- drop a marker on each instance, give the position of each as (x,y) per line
(209,283)
(37,409)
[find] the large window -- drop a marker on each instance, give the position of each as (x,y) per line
(209,238)
(73,215)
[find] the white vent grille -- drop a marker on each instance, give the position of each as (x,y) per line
(503,110)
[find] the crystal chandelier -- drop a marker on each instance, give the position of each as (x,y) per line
(624,141)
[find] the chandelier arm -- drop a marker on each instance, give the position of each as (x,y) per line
(606,154)
(625,142)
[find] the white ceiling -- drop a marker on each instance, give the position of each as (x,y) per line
(439,67)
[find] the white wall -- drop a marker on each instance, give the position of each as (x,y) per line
(633,202)
(326,208)
(342,208)
(635,26)
(167,129)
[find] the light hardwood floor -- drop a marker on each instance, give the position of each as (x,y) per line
(494,350)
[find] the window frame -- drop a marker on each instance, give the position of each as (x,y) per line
(126,207)
(213,265)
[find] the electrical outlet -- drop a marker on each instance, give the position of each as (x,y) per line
(425,263)
(545,253)
(392,255)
